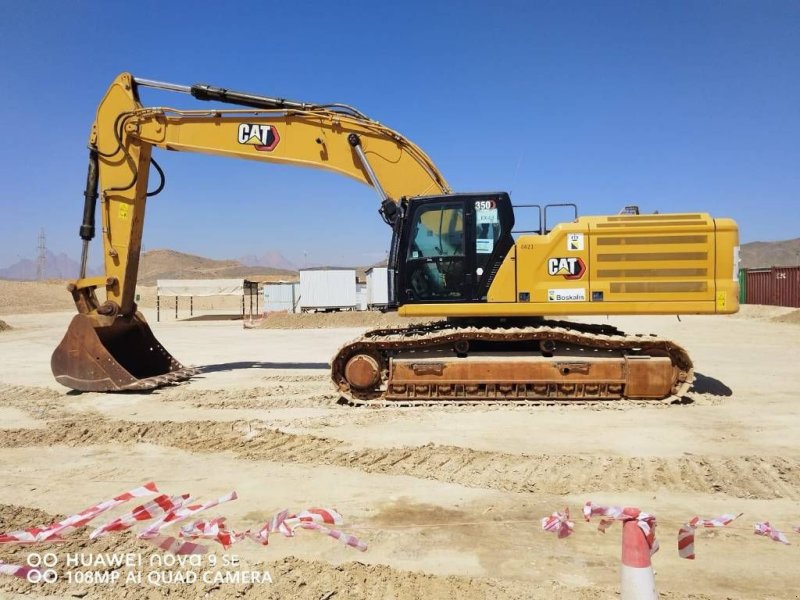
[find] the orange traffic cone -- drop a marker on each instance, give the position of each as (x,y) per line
(637,581)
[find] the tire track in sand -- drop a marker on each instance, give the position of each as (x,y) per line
(761,477)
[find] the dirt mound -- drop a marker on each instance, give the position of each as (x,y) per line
(792,317)
(4,326)
(170,264)
(17,297)
(335,319)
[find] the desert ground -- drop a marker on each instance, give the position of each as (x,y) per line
(449,499)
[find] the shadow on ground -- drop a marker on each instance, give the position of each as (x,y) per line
(225,317)
(235,366)
(703,384)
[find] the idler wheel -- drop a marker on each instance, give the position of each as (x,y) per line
(362,372)
(461,347)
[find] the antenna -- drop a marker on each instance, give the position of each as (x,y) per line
(41,256)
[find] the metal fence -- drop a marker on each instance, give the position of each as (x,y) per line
(777,286)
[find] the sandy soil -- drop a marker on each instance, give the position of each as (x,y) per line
(448,499)
(792,317)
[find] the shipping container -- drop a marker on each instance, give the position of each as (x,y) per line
(377,288)
(281,296)
(328,289)
(778,286)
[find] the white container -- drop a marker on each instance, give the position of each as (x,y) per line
(281,296)
(361,294)
(377,287)
(328,289)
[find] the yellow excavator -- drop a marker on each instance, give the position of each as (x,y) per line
(452,255)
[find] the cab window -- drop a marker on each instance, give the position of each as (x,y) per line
(436,257)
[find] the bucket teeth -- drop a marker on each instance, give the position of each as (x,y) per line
(157,381)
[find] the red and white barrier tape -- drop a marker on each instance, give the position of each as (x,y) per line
(152,535)
(215,529)
(645,521)
(54,532)
(686,532)
(172,510)
(765,529)
(180,513)
(282,522)
(175,545)
(558,523)
(16,570)
(143,512)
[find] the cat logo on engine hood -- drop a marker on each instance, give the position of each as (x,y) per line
(571,267)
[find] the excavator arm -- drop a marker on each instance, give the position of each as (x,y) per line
(109,346)
(335,138)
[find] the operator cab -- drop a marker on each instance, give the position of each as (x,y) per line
(449,248)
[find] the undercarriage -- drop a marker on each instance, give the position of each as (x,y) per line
(540,361)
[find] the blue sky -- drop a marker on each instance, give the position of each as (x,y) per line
(675,106)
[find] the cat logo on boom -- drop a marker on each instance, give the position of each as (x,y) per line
(572,267)
(263,137)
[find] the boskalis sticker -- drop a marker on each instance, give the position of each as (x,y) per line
(567,295)
(263,137)
(571,267)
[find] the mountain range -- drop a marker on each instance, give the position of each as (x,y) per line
(170,264)
(56,266)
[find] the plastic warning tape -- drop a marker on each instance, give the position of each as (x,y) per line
(51,533)
(558,523)
(17,570)
(686,532)
(765,529)
(215,529)
(175,545)
(283,522)
(152,535)
(645,521)
(143,512)
(182,512)
(170,510)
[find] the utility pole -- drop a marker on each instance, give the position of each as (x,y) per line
(41,256)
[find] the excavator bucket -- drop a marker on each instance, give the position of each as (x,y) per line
(123,355)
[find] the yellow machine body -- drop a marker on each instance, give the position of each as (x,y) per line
(685,263)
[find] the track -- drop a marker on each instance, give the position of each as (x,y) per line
(580,347)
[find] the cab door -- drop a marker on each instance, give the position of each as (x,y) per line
(452,246)
(436,258)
